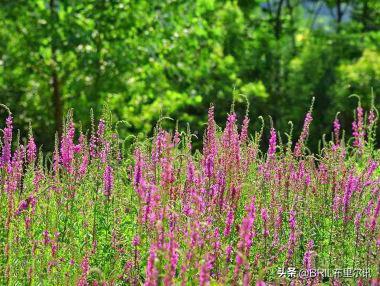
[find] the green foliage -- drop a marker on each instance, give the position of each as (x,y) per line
(148,58)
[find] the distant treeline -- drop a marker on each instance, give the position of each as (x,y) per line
(174,58)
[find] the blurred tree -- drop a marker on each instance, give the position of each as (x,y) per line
(175,57)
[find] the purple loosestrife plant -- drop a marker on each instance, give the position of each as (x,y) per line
(350,188)
(307,259)
(210,145)
(206,267)
(229,222)
(264,217)
(7,142)
(246,234)
(108,181)
(31,150)
(304,134)
(184,216)
(336,126)
(67,148)
(272,143)
(292,236)
(244,130)
(139,165)
(374,218)
(151,270)
(358,129)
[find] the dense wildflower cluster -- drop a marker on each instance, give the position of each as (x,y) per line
(158,213)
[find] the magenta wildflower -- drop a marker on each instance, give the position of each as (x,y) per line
(107,181)
(292,236)
(7,142)
(216,244)
(229,222)
(230,141)
(292,220)
(136,240)
(85,266)
(323,173)
(246,234)
(367,209)
(358,217)
(229,135)
(336,204)
(46,237)
(336,126)
(168,172)
(152,200)
(159,146)
(204,275)
(307,259)
(278,222)
(228,253)
(221,183)
(56,160)
(97,141)
(139,164)
(31,150)
(176,138)
(272,143)
(104,152)
(84,164)
(303,136)
(371,168)
(17,164)
(371,117)
(264,216)
(151,270)
(67,148)
(93,146)
(24,204)
(358,129)
(209,146)
(190,172)
(375,216)
(350,187)
(173,259)
(77,148)
(28,222)
(54,248)
(101,130)
(244,130)
(209,166)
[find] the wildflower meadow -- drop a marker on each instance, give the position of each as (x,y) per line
(106,210)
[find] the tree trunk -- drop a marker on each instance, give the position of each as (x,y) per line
(55,84)
(339,12)
(365,16)
(278,21)
(57,101)
(277,81)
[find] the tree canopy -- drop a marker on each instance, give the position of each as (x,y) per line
(175,57)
